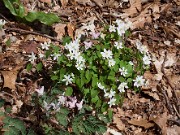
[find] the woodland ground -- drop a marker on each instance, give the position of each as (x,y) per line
(155,110)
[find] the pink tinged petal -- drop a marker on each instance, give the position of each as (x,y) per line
(95,35)
(40,91)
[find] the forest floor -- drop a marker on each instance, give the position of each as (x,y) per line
(154,110)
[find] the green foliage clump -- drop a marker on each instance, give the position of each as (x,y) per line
(17,9)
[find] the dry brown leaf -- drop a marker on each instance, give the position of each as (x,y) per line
(161,122)
(100,3)
(141,122)
(119,124)
(60,30)
(9,79)
(64,2)
(175,130)
(83,2)
(30,47)
(134,9)
(152,94)
(46,1)
(71,29)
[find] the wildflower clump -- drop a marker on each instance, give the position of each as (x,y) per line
(93,72)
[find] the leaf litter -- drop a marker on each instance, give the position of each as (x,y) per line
(154,110)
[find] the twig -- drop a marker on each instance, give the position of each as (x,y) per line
(4,18)
(31,32)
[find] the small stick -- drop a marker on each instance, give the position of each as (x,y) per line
(31,32)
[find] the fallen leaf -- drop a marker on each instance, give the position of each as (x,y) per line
(133,9)
(152,94)
(70,29)
(60,30)
(141,122)
(9,79)
(83,2)
(161,122)
(119,124)
(64,2)
(100,3)
(175,130)
(46,1)
(30,47)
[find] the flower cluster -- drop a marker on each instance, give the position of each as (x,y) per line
(75,54)
(121,27)
(107,54)
(109,94)
(144,50)
(70,102)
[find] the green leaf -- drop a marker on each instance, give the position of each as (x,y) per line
(94,80)
(29,67)
(54,77)
(39,66)
(94,93)
(45,18)
(95,99)
(15,7)
(62,119)
(68,91)
(8,42)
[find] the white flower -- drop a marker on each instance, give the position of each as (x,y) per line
(72,75)
(143,49)
(118,45)
(107,54)
(87,45)
(32,57)
(40,91)
(123,71)
(112,28)
(91,27)
(67,79)
(102,35)
(146,60)
(73,46)
(2,22)
(100,86)
(112,102)
(56,56)
(79,105)
(131,63)
(45,45)
(41,55)
(110,94)
(80,65)
(111,62)
(139,81)
(46,106)
(122,86)
(62,100)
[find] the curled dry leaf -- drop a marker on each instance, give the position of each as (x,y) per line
(161,122)
(60,30)
(9,79)
(141,122)
(71,29)
(119,124)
